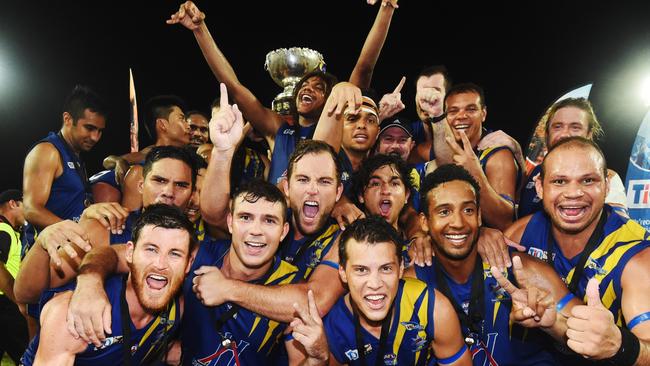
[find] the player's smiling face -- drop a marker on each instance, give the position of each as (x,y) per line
(257,229)
(372,273)
(453,219)
(574,188)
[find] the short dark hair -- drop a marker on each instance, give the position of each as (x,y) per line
(329,79)
(369,166)
(81,98)
(164,216)
(199,162)
(196,111)
(256,189)
(172,152)
(579,142)
(315,147)
(443,174)
(160,107)
(433,70)
(466,88)
(583,104)
(372,230)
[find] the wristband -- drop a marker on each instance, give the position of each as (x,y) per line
(437,119)
(638,320)
(629,350)
(565,300)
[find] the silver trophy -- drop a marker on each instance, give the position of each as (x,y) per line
(287,67)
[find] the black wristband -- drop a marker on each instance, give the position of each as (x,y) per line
(629,351)
(441,117)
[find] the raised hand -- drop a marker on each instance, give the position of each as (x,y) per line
(531,307)
(345,97)
(227,125)
(308,330)
(430,101)
(391,104)
(591,329)
(392,3)
(188,15)
(464,156)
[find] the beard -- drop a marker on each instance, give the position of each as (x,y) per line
(153,304)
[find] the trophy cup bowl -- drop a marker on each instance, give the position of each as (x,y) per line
(287,67)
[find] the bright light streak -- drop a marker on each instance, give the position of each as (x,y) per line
(645,91)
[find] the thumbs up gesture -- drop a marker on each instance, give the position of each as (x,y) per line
(591,329)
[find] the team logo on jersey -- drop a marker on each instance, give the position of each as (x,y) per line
(390,359)
(70,165)
(352,354)
(345,176)
(109,341)
(288,131)
(419,343)
(592,264)
(412,325)
(537,253)
(500,293)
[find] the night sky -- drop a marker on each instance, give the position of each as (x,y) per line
(525,57)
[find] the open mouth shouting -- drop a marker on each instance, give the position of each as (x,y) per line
(306,99)
(310,210)
(385,207)
(156,282)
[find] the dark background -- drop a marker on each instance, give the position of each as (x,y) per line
(524,54)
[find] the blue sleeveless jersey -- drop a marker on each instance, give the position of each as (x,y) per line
(145,342)
(529,202)
(285,143)
(68,192)
(308,252)
(622,239)
(409,338)
(253,337)
(347,173)
(501,343)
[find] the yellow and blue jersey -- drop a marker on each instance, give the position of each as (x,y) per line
(146,342)
(485,155)
(622,239)
(409,338)
(308,252)
(245,338)
(500,343)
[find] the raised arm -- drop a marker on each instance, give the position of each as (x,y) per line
(344,99)
(226,129)
(362,73)
(42,166)
(263,119)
